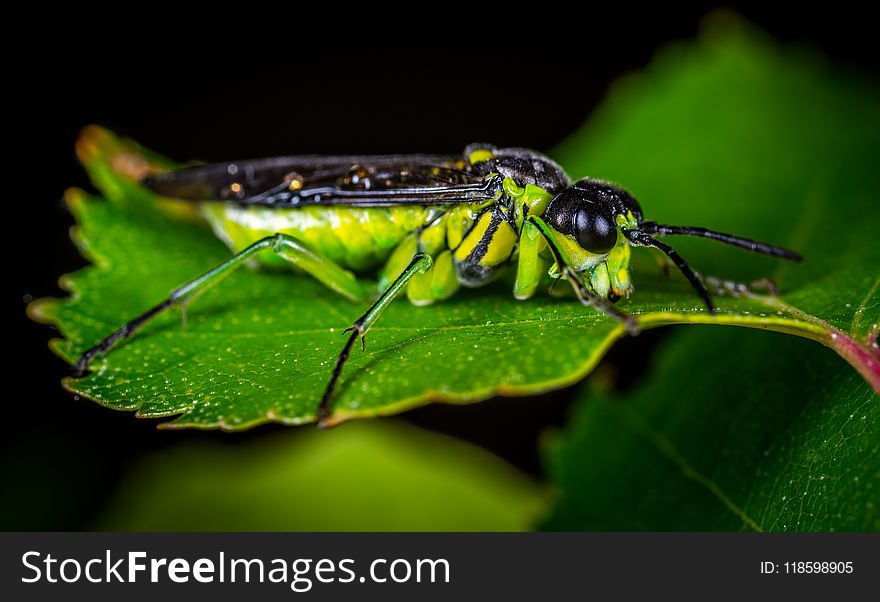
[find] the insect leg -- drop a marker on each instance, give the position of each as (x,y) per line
(314,264)
(421,262)
(433,285)
(530,267)
(584,294)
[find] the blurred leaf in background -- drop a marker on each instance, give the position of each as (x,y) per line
(383,476)
(733,430)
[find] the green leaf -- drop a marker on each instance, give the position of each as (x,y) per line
(728,132)
(382,476)
(734,430)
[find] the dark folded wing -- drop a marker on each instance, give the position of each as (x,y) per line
(379,180)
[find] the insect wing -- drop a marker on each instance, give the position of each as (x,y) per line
(380,180)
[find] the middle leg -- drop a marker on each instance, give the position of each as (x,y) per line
(420,263)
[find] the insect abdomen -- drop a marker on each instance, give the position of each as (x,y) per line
(354,238)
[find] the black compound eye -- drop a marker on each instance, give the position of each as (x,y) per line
(595,230)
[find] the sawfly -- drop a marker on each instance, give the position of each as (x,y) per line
(431,224)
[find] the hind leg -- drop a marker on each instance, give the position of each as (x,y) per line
(287,247)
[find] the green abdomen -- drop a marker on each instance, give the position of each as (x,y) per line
(354,238)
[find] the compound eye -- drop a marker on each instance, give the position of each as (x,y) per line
(595,230)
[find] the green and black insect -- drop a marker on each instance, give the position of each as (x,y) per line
(431,223)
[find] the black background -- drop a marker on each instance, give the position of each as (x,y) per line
(230,95)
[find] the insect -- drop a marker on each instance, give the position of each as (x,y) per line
(431,224)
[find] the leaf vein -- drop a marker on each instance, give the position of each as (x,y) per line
(667,449)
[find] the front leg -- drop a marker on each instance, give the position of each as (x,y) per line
(584,294)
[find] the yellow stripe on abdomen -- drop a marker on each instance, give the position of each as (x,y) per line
(490,242)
